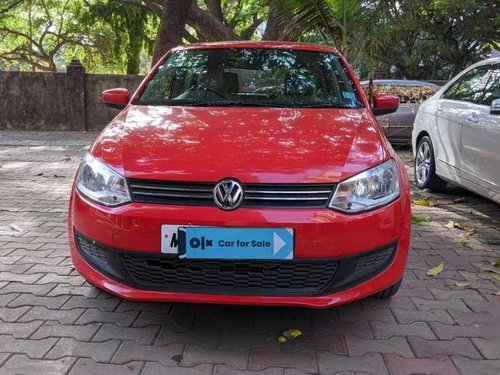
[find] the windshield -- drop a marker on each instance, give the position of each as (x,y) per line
(251,77)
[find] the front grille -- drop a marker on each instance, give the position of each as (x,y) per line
(297,277)
(373,261)
(91,249)
(256,195)
(242,277)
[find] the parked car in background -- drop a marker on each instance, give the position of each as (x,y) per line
(243,173)
(398,126)
(456,136)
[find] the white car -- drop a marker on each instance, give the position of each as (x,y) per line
(456,135)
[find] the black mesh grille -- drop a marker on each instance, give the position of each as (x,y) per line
(256,195)
(91,249)
(299,277)
(373,261)
(244,277)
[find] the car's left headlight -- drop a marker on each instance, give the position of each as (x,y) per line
(370,189)
(101,184)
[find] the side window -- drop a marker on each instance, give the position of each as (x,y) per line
(492,88)
(470,87)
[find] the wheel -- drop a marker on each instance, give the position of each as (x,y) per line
(425,167)
(389,292)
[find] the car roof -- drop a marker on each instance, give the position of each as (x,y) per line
(399,82)
(490,61)
(266,44)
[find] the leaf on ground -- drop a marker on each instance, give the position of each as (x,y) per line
(494,276)
(497,293)
(453,224)
(15,227)
(422,202)
(490,268)
(463,241)
(419,219)
(469,232)
(460,200)
(434,271)
(462,284)
(496,262)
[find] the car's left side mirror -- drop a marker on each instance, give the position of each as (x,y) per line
(383,104)
(495,107)
(116,98)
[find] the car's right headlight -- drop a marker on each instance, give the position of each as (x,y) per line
(370,189)
(101,184)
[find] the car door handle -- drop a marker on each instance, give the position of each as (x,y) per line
(472,118)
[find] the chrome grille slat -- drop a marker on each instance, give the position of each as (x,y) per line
(302,195)
(249,197)
(250,191)
(171,188)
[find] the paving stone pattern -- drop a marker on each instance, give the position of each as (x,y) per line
(53,322)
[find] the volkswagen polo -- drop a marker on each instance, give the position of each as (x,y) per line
(243,173)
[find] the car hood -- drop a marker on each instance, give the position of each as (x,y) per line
(267,145)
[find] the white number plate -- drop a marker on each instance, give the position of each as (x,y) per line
(170,239)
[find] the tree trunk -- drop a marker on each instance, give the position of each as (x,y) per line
(209,26)
(274,26)
(172,26)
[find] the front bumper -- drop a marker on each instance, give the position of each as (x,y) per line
(333,240)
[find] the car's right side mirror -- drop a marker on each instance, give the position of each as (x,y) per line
(495,107)
(384,104)
(116,98)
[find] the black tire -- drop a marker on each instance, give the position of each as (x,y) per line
(425,167)
(389,292)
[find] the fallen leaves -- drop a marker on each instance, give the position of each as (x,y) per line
(462,239)
(419,219)
(496,262)
(490,268)
(422,202)
(434,271)
(289,334)
(462,284)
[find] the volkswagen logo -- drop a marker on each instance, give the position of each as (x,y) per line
(228,194)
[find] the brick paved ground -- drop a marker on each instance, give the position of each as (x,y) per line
(51,321)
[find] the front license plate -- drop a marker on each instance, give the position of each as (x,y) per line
(235,243)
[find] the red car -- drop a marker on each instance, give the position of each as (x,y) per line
(243,173)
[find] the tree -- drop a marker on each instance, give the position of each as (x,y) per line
(36,32)
(428,39)
(346,24)
(133,29)
(201,21)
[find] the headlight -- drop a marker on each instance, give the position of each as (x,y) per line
(373,188)
(101,184)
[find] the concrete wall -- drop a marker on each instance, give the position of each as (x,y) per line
(33,101)
(97,114)
(58,101)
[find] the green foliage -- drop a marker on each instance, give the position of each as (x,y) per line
(424,39)
(132,28)
(432,39)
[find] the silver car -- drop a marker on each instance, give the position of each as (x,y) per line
(456,135)
(398,126)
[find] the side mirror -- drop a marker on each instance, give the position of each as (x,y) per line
(495,107)
(383,104)
(115,98)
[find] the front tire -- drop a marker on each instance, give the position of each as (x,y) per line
(425,167)
(389,292)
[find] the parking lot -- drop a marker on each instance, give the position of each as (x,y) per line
(52,321)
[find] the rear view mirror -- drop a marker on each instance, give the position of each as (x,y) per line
(495,107)
(384,104)
(116,98)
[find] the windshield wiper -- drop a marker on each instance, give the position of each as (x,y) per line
(230,103)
